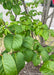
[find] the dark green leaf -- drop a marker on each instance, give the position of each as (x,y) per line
(28,54)
(36,59)
(51,57)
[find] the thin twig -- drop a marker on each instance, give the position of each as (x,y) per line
(44,11)
(9,29)
(48,7)
(51,19)
(50,15)
(25,7)
(26,10)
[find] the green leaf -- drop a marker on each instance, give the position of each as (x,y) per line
(45,34)
(16,28)
(12,18)
(12,42)
(42,30)
(48,49)
(17,42)
(28,42)
(7,5)
(32,12)
(51,57)
(20,62)
(9,65)
(48,68)
(36,59)
(8,12)
(1,67)
(16,9)
(8,42)
(52,33)
(1,15)
(19,28)
(25,20)
(37,45)
(44,55)
(28,54)
(39,31)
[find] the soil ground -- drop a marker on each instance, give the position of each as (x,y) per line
(29,69)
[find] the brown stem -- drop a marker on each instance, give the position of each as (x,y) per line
(27,14)
(15,17)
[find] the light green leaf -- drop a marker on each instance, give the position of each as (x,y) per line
(45,34)
(17,28)
(17,42)
(8,42)
(44,55)
(7,65)
(16,9)
(1,15)
(28,42)
(1,67)
(48,68)
(51,32)
(20,62)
